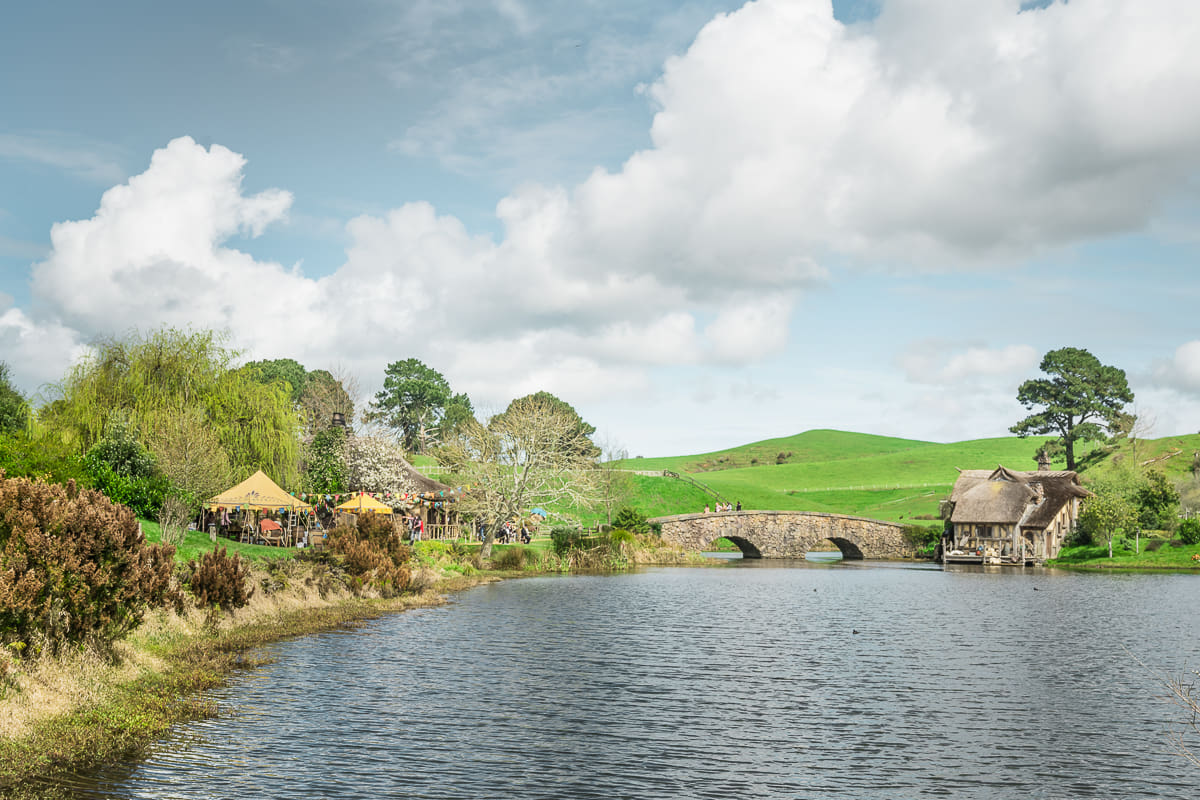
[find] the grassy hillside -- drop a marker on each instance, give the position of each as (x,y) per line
(837,472)
(882,477)
(1172,455)
(809,447)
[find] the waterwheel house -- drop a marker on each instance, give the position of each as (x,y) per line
(1005,516)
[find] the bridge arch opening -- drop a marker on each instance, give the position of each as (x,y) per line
(747,548)
(834,548)
(850,551)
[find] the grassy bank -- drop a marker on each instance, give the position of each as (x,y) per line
(1148,554)
(84,709)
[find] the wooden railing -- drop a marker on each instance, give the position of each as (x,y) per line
(447,532)
(689,479)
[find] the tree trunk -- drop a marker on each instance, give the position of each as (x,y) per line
(489,536)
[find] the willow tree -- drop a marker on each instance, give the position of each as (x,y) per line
(534,454)
(170,380)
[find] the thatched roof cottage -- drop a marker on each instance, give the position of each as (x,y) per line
(1005,516)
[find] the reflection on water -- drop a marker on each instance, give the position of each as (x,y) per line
(754,679)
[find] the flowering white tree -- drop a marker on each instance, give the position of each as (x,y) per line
(375,463)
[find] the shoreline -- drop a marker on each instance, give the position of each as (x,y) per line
(84,710)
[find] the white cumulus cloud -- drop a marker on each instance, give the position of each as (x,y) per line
(942,133)
(1182,371)
(945,362)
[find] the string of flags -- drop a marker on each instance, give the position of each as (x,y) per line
(435,499)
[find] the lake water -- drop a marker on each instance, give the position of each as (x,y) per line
(751,679)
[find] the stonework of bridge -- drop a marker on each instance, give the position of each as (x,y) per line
(786,534)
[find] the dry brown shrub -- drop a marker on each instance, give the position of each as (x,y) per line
(74,567)
(220,580)
(423,579)
(372,559)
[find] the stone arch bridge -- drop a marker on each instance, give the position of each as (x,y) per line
(787,534)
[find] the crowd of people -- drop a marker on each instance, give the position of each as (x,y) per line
(719,507)
(509,533)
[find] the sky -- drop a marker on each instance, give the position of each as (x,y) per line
(701,223)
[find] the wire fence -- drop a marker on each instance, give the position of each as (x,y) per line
(869,488)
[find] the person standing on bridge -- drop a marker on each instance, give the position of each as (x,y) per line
(706,508)
(739,505)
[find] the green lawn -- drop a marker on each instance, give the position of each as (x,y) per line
(197,542)
(1164,557)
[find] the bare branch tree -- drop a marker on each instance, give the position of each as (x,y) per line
(533,454)
(614,482)
(1183,693)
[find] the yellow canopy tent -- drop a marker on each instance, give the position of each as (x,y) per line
(260,493)
(363,502)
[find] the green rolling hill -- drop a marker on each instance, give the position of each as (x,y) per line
(887,478)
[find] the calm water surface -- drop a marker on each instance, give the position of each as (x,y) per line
(742,681)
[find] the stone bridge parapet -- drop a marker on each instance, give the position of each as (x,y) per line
(787,534)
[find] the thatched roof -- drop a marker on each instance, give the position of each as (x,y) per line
(423,483)
(994,502)
(1005,497)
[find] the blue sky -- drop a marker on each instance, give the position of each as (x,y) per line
(701,223)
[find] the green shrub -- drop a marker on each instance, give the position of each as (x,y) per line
(74,567)
(1154,544)
(1079,536)
(566,539)
(1189,531)
(220,580)
(631,519)
(620,536)
(144,495)
(46,457)
(512,558)
(923,539)
(124,470)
